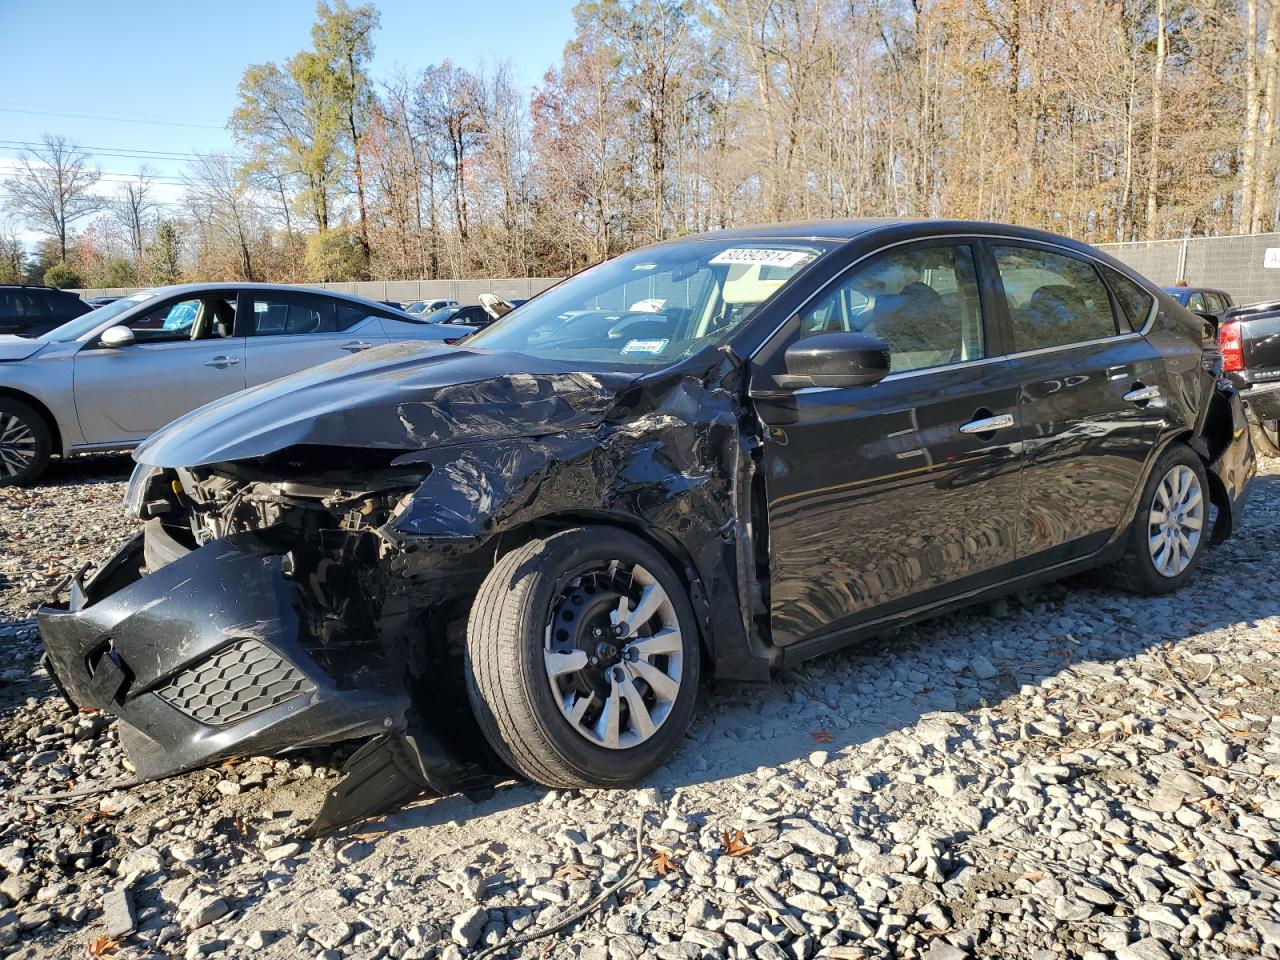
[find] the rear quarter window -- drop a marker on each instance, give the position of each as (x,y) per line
(1135,302)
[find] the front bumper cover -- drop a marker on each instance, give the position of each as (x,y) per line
(224,652)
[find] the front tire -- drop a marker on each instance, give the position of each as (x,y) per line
(1171,529)
(25,444)
(582,658)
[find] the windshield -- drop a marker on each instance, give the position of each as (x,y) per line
(653,306)
(77,328)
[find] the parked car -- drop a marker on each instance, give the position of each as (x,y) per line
(523,553)
(427,306)
(1202,299)
(96,302)
(1249,338)
(109,378)
(29,311)
(472,316)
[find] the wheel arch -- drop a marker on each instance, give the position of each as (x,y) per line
(41,408)
(671,550)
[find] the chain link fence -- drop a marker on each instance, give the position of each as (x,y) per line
(1246,267)
(402,291)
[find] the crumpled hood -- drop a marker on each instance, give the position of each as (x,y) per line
(404,396)
(18,348)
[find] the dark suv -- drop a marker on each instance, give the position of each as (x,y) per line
(32,311)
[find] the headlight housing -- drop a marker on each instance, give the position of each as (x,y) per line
(138,492)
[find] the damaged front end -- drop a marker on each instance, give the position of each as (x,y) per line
(255,614)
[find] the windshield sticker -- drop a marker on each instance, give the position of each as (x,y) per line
(644,266)
(645,346)
(772,258)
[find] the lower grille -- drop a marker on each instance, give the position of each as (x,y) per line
(236,682)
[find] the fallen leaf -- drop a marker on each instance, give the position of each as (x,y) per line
(102,947)
(572,870)
(822,736)
(663,864)
(735,845)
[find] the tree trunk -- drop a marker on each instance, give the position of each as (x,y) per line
(1265,171)
(1157,116)
(1249,164)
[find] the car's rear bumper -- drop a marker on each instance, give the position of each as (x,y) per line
(220,652)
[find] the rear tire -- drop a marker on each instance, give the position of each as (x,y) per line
(1266,437)
(25,444)
(567,691)
(1170,531)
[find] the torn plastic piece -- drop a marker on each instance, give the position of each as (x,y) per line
(388,772)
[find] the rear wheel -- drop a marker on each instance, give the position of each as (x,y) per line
(25,443)
(582,658)
(1171,528)
(1266,437)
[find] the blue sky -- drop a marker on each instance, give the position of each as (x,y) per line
(139,76)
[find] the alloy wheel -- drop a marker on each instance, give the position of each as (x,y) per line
(17,445)
(1175,521)
(614,654)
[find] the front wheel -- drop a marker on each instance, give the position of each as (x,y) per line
(582,658)
(1171,528)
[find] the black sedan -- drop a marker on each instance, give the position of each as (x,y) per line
(721,454)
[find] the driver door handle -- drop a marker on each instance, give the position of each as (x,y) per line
(356,345)
(222,361)
(1142,394)
(988,424)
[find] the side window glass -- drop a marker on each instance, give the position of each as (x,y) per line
(1134,301)
(288,314)
(173,321)
(1196,303)
(923,302)
(1054,300)
(1215,303)
(34,306)
(349,315)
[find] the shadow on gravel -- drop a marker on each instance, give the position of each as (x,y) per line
(934,667)
(88,468)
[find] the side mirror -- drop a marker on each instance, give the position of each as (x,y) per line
(835,360)
(116,337)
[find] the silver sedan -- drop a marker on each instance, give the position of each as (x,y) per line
(109,378)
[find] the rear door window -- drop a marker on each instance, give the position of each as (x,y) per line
(1054,299)
(289,314)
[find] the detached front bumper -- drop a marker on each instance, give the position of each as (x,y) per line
(221,652)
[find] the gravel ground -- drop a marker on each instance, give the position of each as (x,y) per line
(1071,773)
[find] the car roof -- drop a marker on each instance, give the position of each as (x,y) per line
(852,228)
(1177,289)
(180,288)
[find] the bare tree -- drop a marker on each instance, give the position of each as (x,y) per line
(54,188)
(133,208)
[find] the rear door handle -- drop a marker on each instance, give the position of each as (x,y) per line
(1142,394)
(356,345)
(222,362)
(988,424)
